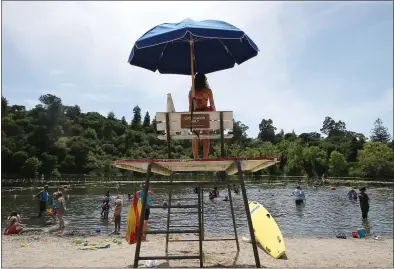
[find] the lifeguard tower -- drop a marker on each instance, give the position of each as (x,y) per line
(176,126)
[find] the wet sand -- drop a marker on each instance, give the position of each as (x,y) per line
(55,251)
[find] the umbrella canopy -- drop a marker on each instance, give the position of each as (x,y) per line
(205,46)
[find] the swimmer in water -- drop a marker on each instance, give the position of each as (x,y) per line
(352,194)
(203,94)
(215,192)
(226,198)
(211,197)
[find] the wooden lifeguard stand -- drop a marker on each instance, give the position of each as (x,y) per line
(176,126)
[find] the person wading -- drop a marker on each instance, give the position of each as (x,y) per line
(364,203)
(43,195)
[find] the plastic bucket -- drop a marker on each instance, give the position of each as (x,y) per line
(361,232)
(355,234)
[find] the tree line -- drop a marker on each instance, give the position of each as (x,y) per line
(54,139)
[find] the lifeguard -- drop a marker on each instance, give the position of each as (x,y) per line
(203,94)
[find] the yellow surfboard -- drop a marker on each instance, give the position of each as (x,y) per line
(132,221)
(266,230)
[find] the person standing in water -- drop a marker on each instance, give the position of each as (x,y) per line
(140,195)
(203,94)
(61,210)
(299,195)
(364,203)
(43,195)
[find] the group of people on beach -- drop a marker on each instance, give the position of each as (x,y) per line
(118,205)
(56,209)
(106,207)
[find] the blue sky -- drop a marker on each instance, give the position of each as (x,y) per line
(316,59)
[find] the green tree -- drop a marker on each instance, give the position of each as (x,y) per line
(31,166)
(136,122)
(376,160)
(380,133)
(146,122)
(337,164)
(267,131)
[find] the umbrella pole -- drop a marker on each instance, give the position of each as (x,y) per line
(193,87)
(192,69)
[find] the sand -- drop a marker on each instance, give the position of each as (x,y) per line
(55,251)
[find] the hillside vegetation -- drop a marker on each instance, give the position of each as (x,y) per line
(54,139)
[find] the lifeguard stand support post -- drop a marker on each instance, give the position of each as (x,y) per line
(176,126)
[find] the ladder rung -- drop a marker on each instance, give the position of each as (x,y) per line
(185,240)
(174,206)
(170,258)
(177,226)
(186,198)
(172,232)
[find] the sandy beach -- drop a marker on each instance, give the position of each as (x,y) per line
(54,251)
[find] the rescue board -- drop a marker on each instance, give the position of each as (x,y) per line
(266,230)
(133,221)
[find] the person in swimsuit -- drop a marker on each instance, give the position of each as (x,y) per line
(55,206)
(203,94)
(215,192)
(140,195)
(117,214)
(15,214)
(14,227)
(61,209)
(43,199)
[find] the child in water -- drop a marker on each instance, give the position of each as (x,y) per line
(55,207)
(107,207)
(215,192)
(117,214)
(14,227)
(211,196)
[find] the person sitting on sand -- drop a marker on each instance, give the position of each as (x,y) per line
(117,214)
(43,200)
(140,195)
(299,195)
(61,209)
(203,94)
(15,214)
(14,227)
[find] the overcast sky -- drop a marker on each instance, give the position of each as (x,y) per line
(316,59)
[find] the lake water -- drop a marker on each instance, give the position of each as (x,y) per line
(325,213)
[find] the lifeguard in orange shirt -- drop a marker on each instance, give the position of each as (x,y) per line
(203,94)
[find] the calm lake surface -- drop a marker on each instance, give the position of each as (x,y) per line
(325,213)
